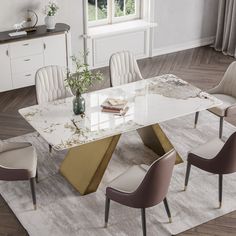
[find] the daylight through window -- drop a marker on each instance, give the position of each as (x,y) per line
(110,11)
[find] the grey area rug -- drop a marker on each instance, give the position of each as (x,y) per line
(62,211)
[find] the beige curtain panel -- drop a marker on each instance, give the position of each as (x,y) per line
(226,28)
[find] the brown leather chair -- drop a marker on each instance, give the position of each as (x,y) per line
(226,92)
(215,157)
(18,161)
(142,186)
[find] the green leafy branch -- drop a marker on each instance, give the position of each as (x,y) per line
(82,78)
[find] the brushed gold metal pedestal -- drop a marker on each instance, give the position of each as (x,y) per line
(154,138)
(85,165)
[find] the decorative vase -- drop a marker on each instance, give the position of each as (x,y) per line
(50,22)
(78,104)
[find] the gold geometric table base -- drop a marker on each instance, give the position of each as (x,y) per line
(154,138)
(85,165)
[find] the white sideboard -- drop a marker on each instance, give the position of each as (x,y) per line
(20,59)
(5,69)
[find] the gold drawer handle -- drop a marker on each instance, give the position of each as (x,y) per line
(27,60)
(28,75)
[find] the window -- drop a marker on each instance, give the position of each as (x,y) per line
(111,11)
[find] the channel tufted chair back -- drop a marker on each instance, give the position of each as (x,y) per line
(123,68)
(50,84)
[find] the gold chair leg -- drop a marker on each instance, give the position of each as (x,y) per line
(85,165)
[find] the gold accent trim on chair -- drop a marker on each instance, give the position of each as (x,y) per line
(85,165)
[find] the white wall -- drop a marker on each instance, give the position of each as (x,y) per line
(183,24)
(14,11)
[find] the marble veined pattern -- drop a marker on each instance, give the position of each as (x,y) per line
(150,101)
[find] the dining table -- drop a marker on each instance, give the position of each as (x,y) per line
(91,138)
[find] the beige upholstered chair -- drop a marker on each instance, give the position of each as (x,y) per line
(215,157)
(50,84)
(142,186)
(123,68)
(18,161)
(226,92)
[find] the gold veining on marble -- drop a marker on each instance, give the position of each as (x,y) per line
(150,101)
(172,87)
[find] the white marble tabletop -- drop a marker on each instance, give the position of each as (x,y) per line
(150,101)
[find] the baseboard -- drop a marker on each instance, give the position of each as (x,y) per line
(183,46)
(105,64)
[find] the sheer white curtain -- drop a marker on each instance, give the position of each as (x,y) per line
(226,28)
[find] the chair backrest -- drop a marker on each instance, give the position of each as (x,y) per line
(12,174)
(155,184)
(123,68)
(228,83)
(225,160)
(50,84)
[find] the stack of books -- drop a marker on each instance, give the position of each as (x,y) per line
(116,106)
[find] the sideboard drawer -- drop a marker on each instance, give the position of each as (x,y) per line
(23,79)
(26,48)
(20,58)
(24,64)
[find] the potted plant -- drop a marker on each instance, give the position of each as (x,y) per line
(50,11)
(79,82)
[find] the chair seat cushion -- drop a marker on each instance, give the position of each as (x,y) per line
(23,158)
(227,102)
(145,167)
(209,150)
(130,180)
